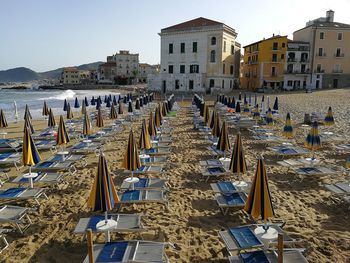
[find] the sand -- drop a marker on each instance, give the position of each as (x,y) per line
(312,214)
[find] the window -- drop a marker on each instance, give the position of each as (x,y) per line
(182,47)
(213,40)
(171,69)
(319,68)
(283,45)
(273,71)
(190,84)
(303,68)
(274,57)
(230,84)
(171,47)
(338,52)
(211,83)
(290,83)
(194,47)
(320,52)
(177,86)
(223,84)
(212,56)
(224,46)
(231,69)
(194,68)
(321,35)
(282,56)
(223,68)
(340,36)
(182,69)
(275,46)
(232,49)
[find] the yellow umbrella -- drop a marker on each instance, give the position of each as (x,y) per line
(28,124)
(99,119)
(216,129)
(329,119)
(131,159)
(288,128)
(206,115)
(238,163)
(113,113)
(62,135)
(212,120)
(51,120)
(69,112)
(145,141)
(83,107)
(157,117)
(45,111)
(223,142)
(86,125)
(3,122)
(259,199)
(152,129)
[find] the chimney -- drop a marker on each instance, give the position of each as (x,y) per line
(330,16)
(273,34)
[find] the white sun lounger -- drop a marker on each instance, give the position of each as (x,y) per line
(340,188)
(23,193)
(154,160)
(16,215)
(289,256)
(43,177)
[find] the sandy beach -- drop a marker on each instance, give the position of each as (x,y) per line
(312,214)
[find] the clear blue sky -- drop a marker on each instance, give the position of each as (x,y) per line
(47,34)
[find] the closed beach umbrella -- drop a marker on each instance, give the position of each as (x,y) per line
(69,112)
(216,129)
(212,120)
(113,113)
(256,113)
(86,102)
(347,164)
(240,96)
(30,155)
(108,103)
(288,128)
(3,122)
(250,99)
(329,120)
(313,141)
(28,124)
(145,141)
(259,203)
(131,159)
(27,112)
(76,103)
(275,105)
(51,120)
(99,99)
(93,102)
(86,125)
(45,111)
(130,108)
(223,142)
(141,102)
(62,135)
(238,107)
(246,109)
(114,100)
(157,117)
(137,104)
(120,108)
(99,119)
(164,111)
(269,118)
(65,105)
(125,99)
(83,107)
(152,129)
(238,163)
(105,100)
(201,108)
(255,99)
(206,115)
(98,104)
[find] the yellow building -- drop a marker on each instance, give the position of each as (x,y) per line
(263,64)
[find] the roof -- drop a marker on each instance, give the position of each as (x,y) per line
(197,22)
(144,65)
(273,37)
(70,69)
(321,24)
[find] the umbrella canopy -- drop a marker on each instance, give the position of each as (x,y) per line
(275,105)
(86,125)
(86,102)
(27,112)
(98,104)
(269,118)
(108,103)
(62,135)
(347,164)
(223,142)
(114,100)
(259,199)
(83,107)
(69,112)
(238,163)
(131,159)
(76,103)
(113,113)
(152,129)
(130,108)
(137,104)
(206,115)
(3,122)
(93,101)
(120,108)
(313,141)
(212,119)
(99,119)
(238,107)
(329,119)
(103,195)
(145,141)
(246,109)
(256,113)
(65,105)
(45,111)
(51,120)
(28,124)
(157,117)
(288,128)
(30,155)
(216,129)
(105,100)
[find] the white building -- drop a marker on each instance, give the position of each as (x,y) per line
(297,71)
(199,55)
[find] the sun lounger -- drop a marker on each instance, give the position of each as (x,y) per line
(244,237)
(163,138)
(328,137)
(23,193)
(71,158)
(146,184)
(125,223)
(10,145)
(208,172)
(14,158)
(148,169)
(3,239)
(156,144)
(245,123)
(226,187)
(46,145)
(43,177)
(47,134)
(289,256)
(15,215)
(55,166)
(85,148)
(4,177)
(227,201)
(290,163)
(267,138)
(158,160)
(129,251)
(216,152)
(344,147)
(340,188)
(156,151)
(314,170)
(283,150)
(211,139)
(211,163)
(142,197)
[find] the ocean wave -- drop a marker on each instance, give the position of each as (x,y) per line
(67,94)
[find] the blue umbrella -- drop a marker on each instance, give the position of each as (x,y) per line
(240,96)
(99,99)
(114,100)
(238,107)
(93,102)
(275,105)
(125,99)
(98,104)
(250,99)
(105,100)
(86,102)
(65,105)
(141,102)
(245,98)
(76,103)
(108,103)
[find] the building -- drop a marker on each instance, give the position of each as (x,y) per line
(329,51)
(199,55)
(70,75)
(120,68)
(145,70)
(297,73)
(264,63)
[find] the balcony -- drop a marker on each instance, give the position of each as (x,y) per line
(304,60)
(252,62)
(337,71)
(274,74)
(319,71)
(321,55)
(307,71)
(291,60)
(339,55)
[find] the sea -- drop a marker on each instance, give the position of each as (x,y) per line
(35,100)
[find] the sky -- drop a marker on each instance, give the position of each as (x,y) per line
(48,34)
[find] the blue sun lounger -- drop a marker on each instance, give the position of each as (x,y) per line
(46,145)
(23,193)
(55,166)
(227,187)
(43,177)
(209,172)
(230,200)
(85,148)
(284,151)
(14,158)
(142,197)
(147,183)
(261,256)
(156,151)
(10,145)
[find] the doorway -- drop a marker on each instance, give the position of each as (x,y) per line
(335,83)
(164,86)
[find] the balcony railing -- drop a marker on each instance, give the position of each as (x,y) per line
(304,60)
(291,60)
(319,71)
(321,55)
(306,71)
(339,55)
(337,71)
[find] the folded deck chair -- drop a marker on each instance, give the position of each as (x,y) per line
(226,187)
(156,151)
(213,171)
(147,184)
(244,237)
(143,197)
(148,169)
(284,151)
(55,166)
(23,193)
(340,188)
(43,177)
(289,256)
(227,201)
(16,215)
(159,160)
(45,145)
(314,170)
(10,145)
(125,223)
(129,251)
(69,158)
(14,158)
(5,243)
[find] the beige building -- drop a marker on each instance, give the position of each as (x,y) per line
(70,75)
(146,69)
(329,51)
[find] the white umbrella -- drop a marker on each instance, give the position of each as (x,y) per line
(16,111)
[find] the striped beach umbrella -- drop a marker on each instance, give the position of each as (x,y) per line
(238,107)
(76,103)
(145,141)
(93,101)
(27,112)
(223,142)
(288,128)
(206,115)
(256,113)
(113,113)
(131,159)
(216,129)
(157,117)
(114,100)
(164,109)
(246,109)
(65,105)
(83,107)
(98,104)
(152,129)
(313,141)
(259,203)
(238,163)
(108,103)
(28,124)
(86,102)
(212,119)
(105,100)
(240,96)
(30,155)
(86,125)
(269,118)
(275,105)
(45,110)
(62,135)
(69,112)
(329,119)
(137,104)
(120,108)
(347,164)
(130,108)
(99,119)
(51,120)
(3,122)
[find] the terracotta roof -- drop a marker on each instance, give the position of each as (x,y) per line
(198,22)
(70,69)
(333,25)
